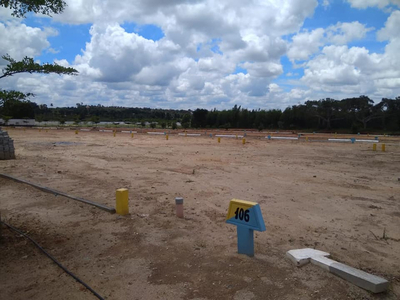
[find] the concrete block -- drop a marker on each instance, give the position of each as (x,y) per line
(189,134)
(360,278)
(322,261)
(301,257)
(282,138)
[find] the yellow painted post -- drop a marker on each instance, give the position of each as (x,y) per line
(243,141)
(132,135)
(76,131)
(166,137)
(236,137)
(383,147)
(374,147)
(306,138)
(219,140)
(40,130)
(121,205)
(335,134)
(46,130)
(115,133)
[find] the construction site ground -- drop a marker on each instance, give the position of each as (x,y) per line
(341,198)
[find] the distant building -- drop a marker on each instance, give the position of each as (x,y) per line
(19,122)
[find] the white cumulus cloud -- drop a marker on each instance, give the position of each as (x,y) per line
(371,3)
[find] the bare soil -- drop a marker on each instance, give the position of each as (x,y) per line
(337,197)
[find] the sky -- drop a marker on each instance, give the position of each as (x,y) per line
(188,54)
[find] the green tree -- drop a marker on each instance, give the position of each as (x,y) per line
(163,125)
(153,125)
(6,119)
(27,65)
(21,7)
(12,95)
(186,121)
(199,119)
(16,104)
(362,109)
(39,118)
(95,119)
(174,126)
(77,119)
(327,110)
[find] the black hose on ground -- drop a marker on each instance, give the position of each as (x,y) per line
(53,259)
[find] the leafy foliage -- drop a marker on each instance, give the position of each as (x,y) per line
(15,104)
(13,95)
(27,65)
(21,7)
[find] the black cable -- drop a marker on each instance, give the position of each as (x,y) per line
(54,260)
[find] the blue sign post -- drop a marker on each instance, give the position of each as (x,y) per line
(247,217)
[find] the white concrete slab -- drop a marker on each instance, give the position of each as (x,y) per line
(126,131)
(228,135)
(360,278)
(190,134)
(301,257)
(339,140)
(367,141)
(156,133)
(322,262)
(283,138)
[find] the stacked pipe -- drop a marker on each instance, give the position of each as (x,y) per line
(7,150)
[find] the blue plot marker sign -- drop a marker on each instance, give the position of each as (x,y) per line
(247,217)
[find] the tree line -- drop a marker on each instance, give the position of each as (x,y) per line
(350,115)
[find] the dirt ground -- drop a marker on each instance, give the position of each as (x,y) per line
(337,197)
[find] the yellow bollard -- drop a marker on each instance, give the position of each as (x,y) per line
(40,130)
(243,141)
(383,147)
(236,137)
(166,137)
(219,140)
(121,205)
(374,147)
(306,138)
(115,133)
(132,135)
(47,130)
(76,131)
(335,134)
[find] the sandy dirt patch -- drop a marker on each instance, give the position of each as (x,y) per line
(334,197)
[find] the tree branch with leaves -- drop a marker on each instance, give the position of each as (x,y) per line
(21,7)
(28,65)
